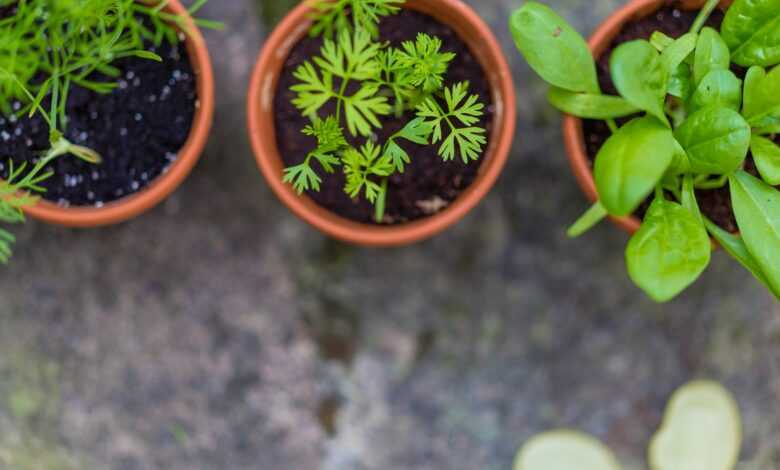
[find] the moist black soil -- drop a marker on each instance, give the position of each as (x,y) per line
(138,129)
(428,184)
(715,204)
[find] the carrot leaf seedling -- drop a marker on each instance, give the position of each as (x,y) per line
(365,80)
(689,125)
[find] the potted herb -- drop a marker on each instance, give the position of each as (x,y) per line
(381,122)
(105,106)
(681,113)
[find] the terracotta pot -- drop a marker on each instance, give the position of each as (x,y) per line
(262,91)
(572,126)
(159,189)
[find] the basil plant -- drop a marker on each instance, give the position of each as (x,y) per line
(691,122)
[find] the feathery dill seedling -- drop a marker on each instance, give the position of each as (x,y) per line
(387,80)
(47,47)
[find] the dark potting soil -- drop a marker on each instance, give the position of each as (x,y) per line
(715,204)
(428,184)
(138,129)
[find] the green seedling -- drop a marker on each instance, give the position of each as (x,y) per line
(690,125)
(701,430)
(47,47)
(386,81)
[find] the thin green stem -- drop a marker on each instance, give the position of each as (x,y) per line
(704,15)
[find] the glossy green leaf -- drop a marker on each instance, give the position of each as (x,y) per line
(679,50)
(718,88)
(751,29)
(701,430)
(590,106)
(669,252)
(565,450)
(640,76)
(712,53)
(761,101)
(555,50)
(735,246)
(661,41)
(681,82)
(631,162)
(716,140)
(766,154)
(757,209)
(674,56)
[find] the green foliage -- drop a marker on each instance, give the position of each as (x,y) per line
(333,17)
(48,47)
(16,193)
(631,164)
(554,49)
(697,124)
(360,81)
(669,252)
(701,430)
(751,29)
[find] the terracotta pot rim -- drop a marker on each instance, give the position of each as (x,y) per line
(159,189)
(572,126)
(260,105)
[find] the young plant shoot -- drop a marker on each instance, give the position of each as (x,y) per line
(48,47)
(689,125)
(360,80)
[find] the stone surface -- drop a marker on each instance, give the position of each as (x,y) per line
(220,332)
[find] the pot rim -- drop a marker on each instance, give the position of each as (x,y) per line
(572,126)
(261,95)
(165,184)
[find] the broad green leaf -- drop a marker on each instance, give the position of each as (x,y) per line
(679,50)
(565,450)
(719,88)
(674,57)
(555,50)
(712,53)
(766,154)
(757,208)
(669,252)
(681,82)
(680,162)
(590,219)
(640,76)
(735,246)
(716,140)
(761,102)
(751,29)
(590,106)
(631,162)
(661,41)
(702,430)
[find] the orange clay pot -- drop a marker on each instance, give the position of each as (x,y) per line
(262,91)
(572,126)
(159,189)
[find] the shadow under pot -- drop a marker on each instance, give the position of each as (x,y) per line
(149,132)
(392,180)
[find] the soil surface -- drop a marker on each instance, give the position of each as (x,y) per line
(428,184)
(138,129)
(716,204)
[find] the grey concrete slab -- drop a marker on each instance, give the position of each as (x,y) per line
(220,332)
